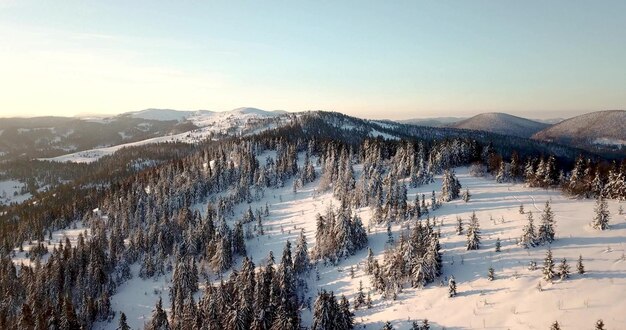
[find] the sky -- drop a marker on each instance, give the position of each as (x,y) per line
(373,59)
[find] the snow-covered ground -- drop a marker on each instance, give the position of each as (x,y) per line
(10,191)
(22,257)
(511,301)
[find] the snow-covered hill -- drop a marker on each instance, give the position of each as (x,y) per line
(596,129)
(210,124)
(511,301)
(502,123)
(433,122)
(164,114)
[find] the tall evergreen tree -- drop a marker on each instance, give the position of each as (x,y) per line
(301,262)
(564,269)
(528,238)
(473,233)
(579,265)
(123,325)
(601,219)
(548,266)
(459,226)
(546,230)
(451,287)
(159,318)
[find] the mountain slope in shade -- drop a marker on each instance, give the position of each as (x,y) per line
(602,129)
(432,122)
(502,123)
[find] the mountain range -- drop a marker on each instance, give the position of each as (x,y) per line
(89,138)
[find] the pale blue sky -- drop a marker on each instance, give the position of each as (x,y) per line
(376,59)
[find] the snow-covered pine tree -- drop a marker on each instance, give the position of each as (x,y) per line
(600,325)
(390,239)
(563,269)
(546,230)
(451,287)
(325,312)
(521,209)
(239,243)
(345,317)
(122,325)
(459,225)
(369,267)
(498,244)
(555,326)
(473,233)
(159,318)
(301,262)
(548,266)
(502,175)
(491,274)
(580,268)
(359,299)
(466,195)
(450,186)
(601,219)
(528,238)
(433,201)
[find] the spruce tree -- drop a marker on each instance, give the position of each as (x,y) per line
(563,269)
(491,274)
(579,265)
(159,318)
(498,244)
(387,326)
(528,238)
(521,209)
(345,317)
(555,326)
(301,262)
(325,312)
(239,244)
(546,229)
(459,226)
(359,299)
(425,325)
(466,195)
(451,287)
(548,266)
(601,219)
(473,233)
(123,325)
(600,325)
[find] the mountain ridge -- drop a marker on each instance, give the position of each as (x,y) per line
(502,123)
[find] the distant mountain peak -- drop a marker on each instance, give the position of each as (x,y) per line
(601,129)
(502,123)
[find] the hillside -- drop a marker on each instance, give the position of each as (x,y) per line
(432,122)
(206,124)
(502,123)
(510,301)
(602,130)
